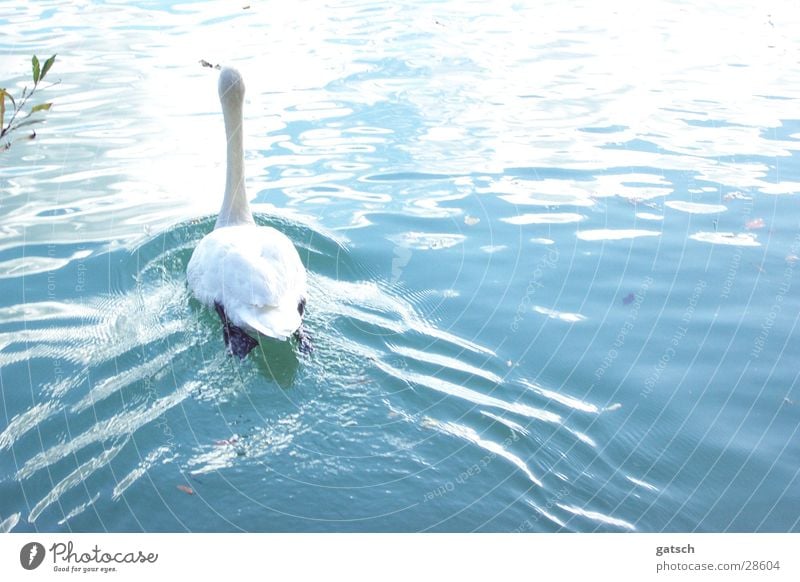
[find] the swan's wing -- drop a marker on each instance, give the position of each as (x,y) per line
(267,299)
(255,273)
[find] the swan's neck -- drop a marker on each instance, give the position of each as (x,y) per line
(235,209)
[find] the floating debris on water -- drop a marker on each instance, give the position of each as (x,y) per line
(231,441)
(736,196)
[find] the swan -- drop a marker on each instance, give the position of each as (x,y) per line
(251,275)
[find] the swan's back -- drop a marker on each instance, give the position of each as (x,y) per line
(255,274)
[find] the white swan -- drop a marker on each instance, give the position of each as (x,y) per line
(251,275)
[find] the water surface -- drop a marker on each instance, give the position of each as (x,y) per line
(552,254)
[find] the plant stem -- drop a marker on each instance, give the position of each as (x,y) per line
(17,109)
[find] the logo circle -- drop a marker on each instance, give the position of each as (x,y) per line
(31,555)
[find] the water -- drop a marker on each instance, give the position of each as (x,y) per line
(552,254)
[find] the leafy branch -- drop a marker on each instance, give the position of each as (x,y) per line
(17,105)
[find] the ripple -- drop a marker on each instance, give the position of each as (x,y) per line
(110,385)
(46,311)
(322,192)
(695,207)
(79,509)
(547,515)
(75,478)
(649,216)
(83,176)
(120,425)
(491,249)
(9,523)
(514,426)
(214,459)
(781,188)
(366,302)
(32,265)
(545,218)
(470,435)
(124,330)
(745,239)
(615,234)
(642,484)
(467,394)
(541,193)
(406,176)
(568,401)
(129,479)
(22,423)
(598,517)
(428,241)
(559,315)
(631,186)
(445,362)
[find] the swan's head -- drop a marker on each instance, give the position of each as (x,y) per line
(231,87)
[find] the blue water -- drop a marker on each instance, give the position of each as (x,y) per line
(553,253)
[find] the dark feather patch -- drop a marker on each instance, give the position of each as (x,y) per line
(304,340)
(238,342)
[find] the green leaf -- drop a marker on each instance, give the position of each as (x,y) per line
(47,64)
(41,107)
(35,63)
